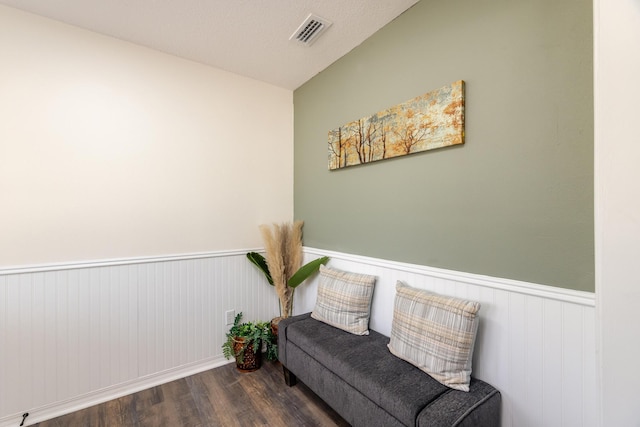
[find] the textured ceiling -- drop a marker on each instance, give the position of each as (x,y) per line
(247,37)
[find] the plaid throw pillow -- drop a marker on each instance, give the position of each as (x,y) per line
(344,300)
(436,333)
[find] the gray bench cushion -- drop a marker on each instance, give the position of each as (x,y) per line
(364,362)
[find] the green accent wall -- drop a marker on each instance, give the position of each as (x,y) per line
(516,200)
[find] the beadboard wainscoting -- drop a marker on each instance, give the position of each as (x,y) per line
(535,343)
(75,335)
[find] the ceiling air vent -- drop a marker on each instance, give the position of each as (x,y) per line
(310,29)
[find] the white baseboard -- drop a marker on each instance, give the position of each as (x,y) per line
(58,409)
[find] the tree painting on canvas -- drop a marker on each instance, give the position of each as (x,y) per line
(430,121)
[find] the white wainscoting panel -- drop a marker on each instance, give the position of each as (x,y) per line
(75,335)
(535,343)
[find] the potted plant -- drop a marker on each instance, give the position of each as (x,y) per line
(244,343)
(282,264)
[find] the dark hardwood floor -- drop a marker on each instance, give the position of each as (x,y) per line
(218,397)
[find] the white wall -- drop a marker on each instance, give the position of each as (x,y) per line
(109,150)
(617,207)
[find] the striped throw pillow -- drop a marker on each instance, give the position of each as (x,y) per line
(344,300)
(436,333)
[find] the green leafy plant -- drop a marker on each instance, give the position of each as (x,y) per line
(251,334)
(294,281)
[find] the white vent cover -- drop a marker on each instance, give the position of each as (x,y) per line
(310,29)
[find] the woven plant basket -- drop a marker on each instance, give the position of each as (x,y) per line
(274,326)
(252,359)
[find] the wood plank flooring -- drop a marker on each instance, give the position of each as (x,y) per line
(218,397)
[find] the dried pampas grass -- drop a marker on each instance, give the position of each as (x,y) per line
(283,246)
(294,252)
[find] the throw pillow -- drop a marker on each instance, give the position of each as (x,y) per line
(344,300)
(436,333)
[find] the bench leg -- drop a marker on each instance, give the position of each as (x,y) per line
(289,377)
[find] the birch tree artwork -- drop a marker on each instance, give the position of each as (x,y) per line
(430,121)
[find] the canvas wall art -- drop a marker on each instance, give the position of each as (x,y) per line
(430,121)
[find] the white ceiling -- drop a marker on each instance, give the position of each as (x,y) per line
(246,37)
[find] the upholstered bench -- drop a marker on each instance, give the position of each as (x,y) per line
(368,386)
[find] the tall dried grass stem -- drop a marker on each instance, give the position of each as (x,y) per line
(283,246)
(273,246)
